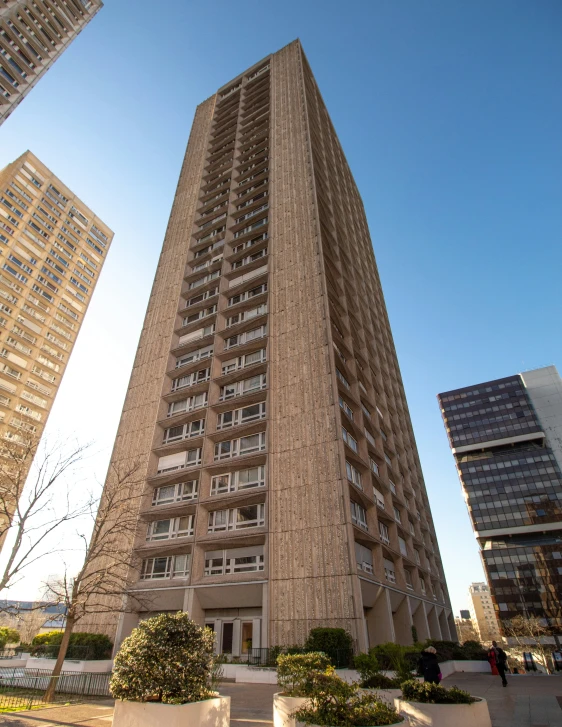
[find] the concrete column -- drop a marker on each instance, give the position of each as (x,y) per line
(379,620)
(403,623)
(434,628)
(265,621)
(419,617)
(218,638)
(256,633)
(126,623)
(452,627)
(191,605)
(236,633)
(444,626)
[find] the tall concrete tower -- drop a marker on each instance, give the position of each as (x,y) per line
(281,482)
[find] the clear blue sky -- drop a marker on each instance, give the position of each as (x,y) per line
(450,114)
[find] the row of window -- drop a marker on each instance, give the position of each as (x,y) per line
(217,562)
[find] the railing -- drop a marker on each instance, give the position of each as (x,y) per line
(24,689)
(340,658)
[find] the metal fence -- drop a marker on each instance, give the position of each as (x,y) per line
(24,688)
(340,658)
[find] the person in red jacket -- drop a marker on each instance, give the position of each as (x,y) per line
(498,661)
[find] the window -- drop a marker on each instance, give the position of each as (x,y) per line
(374,466)
(177,527)
(203,313)
(347,409)
(246,315)
(387,459)
(237,447)
(181,460)
(364,558)
(238,518)
(241,416)
(196,335)
(174,566)
(408,579)
(239,480)
(369,437)
(384,534)
(196,355)
(241,362)
(358,515)
(175,493)
(239,388)
(353,475)
(197,377)
(201,297)
(379,497)
(402,545)
(205,279)
(190,404)
(389,572)
(365,411)
(422,585)
(184,431)
(247,295)
(348,439)
(245,337)
(397,515)
(392,486)
(235,560)
(342,378)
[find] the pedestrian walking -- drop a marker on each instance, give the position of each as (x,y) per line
(498,661)
(428,666)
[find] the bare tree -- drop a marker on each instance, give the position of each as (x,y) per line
(34,500)
(28,623)
(101,586)
(529,634)
(466,630)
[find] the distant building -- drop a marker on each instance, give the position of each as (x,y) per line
(506,436)
(52,250)
(482,612)
(466,629)
(465,613)
(32,36)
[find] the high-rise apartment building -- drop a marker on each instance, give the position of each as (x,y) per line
(482,612)
(33,34)
(506,436)
(283,489)
(52,249)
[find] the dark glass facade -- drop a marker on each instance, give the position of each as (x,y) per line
(513,485)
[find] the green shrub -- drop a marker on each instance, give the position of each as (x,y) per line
(473,650)
(167,658)
(294,671)
(8,636)
(397,658)
(82,645)
(428,693)
(329,641)
(335,703)
(447,650)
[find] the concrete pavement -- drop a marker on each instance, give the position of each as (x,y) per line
(528,701)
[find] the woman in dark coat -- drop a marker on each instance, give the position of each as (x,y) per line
(428,665)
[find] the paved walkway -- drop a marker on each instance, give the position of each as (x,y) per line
(528,701)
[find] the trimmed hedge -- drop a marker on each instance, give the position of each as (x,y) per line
(82,645)
(428,693)
(329,640)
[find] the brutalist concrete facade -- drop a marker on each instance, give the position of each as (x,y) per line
(282,488)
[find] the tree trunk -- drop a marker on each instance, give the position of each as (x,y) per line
(50,693)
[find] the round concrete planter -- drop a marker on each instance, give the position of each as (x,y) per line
(283,707)
(421,714)
(213,712)
(403,723)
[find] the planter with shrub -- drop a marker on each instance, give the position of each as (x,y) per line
(294,676)
(335,703)
(426,704)
(372,678)
(165,675)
